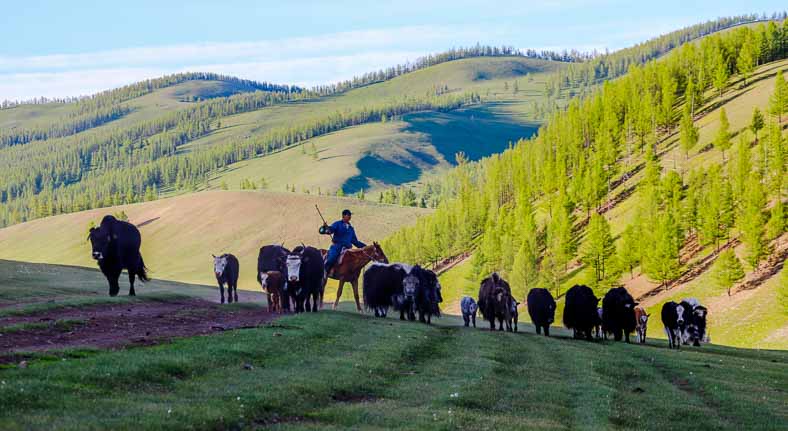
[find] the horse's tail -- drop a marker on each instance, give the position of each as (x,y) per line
(142,271)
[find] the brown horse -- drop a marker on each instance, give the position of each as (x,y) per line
(349,269)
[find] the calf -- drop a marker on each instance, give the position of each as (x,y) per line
(513,309)
(674,320)
(469,308)
(580,311)
(226,268)
(618,313)
(272,258)
(642,323)
(495,302)
(273,283)
(541,308)
(599,330)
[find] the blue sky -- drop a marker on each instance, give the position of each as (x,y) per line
(69,48)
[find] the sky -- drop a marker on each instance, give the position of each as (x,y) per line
(73,48)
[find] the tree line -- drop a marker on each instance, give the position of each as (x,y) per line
(535,212)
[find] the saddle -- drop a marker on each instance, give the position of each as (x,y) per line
(341,256)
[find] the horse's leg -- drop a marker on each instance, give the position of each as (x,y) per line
(354,284)
(131,284)
(339,292)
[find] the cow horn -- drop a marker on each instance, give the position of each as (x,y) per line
(214,256)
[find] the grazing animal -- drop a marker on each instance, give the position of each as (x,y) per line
(674,318)
(272,258)
(599,330)
(405,299)
(515,314)
(618,313)
(695,327)
(383,287)
(226,268)
(642,323)
(305,277)
(349,267)
(273,283)
(494,302)
(116,246)
(541,308)
(469,308)
(428,294)
(580,311)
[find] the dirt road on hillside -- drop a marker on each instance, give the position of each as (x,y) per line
(113,326)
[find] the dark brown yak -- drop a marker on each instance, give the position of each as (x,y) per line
(495,299)
(348,269)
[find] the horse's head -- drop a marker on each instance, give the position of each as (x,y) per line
(377,253)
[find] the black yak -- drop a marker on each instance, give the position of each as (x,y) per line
(428,294)
(541,308)
(674,318)
(495,302)
(116,246)
(383,287)
(618,313)
(226,269)
(580,311)
(305,277)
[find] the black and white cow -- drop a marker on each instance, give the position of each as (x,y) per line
(695,327)
(305,275)
(469,308)
(226,268)
(541,308)
(674,319)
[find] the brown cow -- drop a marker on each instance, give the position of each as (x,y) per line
(495,301)
(273,283)
(641,319)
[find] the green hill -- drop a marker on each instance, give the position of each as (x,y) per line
(666,209)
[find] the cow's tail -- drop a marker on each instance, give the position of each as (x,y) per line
(142,271)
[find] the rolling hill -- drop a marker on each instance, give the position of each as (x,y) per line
(180,233)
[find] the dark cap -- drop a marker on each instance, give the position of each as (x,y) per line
(346,212)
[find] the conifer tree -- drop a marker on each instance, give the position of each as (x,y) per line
(629,249)
(598,248)
(757,122)
(662,256)
(723,139)
(778,102)
(720,73)
(746,60)
(688,133)
(727,270)
(751,221)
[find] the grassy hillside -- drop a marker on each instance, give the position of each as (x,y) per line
(180,234)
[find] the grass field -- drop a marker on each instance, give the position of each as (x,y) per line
(335,370)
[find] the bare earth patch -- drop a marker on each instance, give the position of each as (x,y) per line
(111,326)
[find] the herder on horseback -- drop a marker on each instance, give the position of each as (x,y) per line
(347,267)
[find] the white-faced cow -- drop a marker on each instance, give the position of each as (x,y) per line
(469,308)
(641,317)
(580,311)
(226,269)
(541,308)
(273,283)
(674,318)
(305,276)
(116,246)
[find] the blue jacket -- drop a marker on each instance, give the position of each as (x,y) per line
(344,235)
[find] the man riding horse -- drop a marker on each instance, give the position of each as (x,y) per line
(343,236)
(349,269)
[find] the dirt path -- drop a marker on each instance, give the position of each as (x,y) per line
(110,326)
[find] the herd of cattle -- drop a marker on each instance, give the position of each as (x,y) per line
(296,280)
